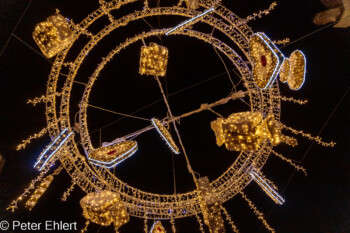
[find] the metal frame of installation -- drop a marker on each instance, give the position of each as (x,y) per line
(251,134)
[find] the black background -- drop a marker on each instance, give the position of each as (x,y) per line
(318,203)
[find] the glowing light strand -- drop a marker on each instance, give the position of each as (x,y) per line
(257,212)
(192,20)
(199,220)
(27,141)
(41,99)
(229,219)
(258,15)
(267,188)
(282,42)
(307,135)
(67,193)
(297,167)
(296,101)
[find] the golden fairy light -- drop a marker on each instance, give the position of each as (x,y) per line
(153,60)
(53,35)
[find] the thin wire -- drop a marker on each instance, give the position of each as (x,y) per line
(174,177)
(14,29)
(189,167)
(157,101)
(307,35)
(31,48)
(118,113)
(223,62)
(307,151)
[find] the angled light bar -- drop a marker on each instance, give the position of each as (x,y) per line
(189,21)
(164,133)
(267,188)
(52,149)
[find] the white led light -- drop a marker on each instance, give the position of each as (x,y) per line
(165,139)
(189,21)
(54,152)
(267,188)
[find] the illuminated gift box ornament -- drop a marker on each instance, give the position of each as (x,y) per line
(39,192)
(210,206)
(285,71)
(53,35)
(153,60)
(164,133)
(267,60)
(157,228)
(104,208)
(110,156)
(246,131)
(296,77)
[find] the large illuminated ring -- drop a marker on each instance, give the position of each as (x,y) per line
(140,203)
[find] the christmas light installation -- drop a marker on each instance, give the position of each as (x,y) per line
(260,91)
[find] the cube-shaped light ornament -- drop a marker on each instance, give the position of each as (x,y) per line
(104,208)
(267,60)
(53,35)
(153,60)
(210,206)
(246,131)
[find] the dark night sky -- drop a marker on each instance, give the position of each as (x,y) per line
(318,203)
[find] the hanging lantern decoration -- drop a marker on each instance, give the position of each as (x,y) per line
(210,206)
(285,71)
(267,60)
(53,35)
(153,60)
(111,156)
(104,208)
(296,77)
(164,133)
(157,228)
(39,192)
(246,131)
